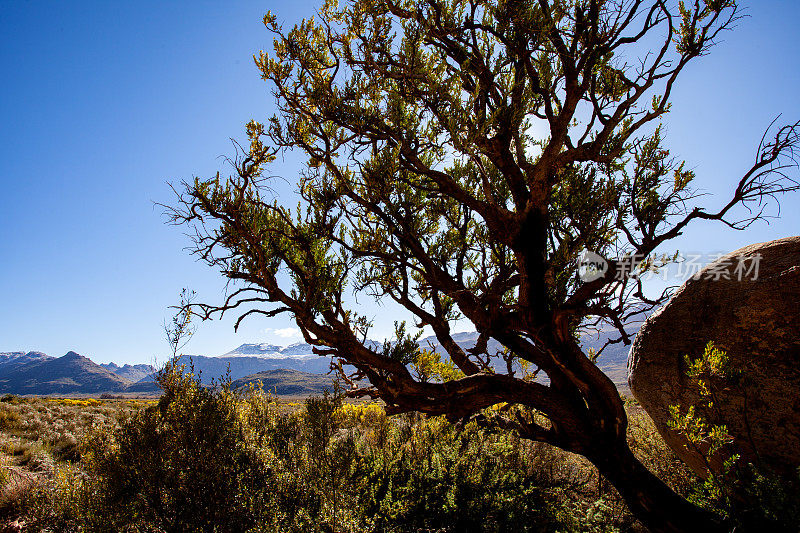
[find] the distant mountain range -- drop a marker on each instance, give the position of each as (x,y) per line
(37,373)
(130,372)
(298,350)
(294,369)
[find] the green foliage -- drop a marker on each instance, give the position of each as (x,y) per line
(184,464)
(436,478)
(428,365)
(459,156)
(211,459)
(751,498)
(711,441)
(748,495)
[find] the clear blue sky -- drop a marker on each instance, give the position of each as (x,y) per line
(102,103)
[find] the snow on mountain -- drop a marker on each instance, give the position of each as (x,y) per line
(301,351)
(267,351)
(298,349)
(37,373)
(11,360)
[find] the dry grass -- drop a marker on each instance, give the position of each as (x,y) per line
(39,437)
(650,448)
(41,441)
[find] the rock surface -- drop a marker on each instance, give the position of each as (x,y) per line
(757,321)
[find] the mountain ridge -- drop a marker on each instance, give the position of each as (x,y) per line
(38,373)
(70,373)
(132,373)
(284,382)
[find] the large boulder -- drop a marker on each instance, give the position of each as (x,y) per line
(756,319)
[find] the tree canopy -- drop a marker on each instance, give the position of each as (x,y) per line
(460,155)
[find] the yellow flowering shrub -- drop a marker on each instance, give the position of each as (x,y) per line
(76,402)
(368,414)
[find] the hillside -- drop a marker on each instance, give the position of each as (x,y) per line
(130,372)
(69,374)
(12,360)
(215,368)
(288,382)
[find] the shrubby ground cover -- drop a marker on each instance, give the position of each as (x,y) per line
(216,459)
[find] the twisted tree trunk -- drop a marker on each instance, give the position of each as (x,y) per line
(650,500)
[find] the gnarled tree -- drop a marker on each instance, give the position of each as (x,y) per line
(460,155)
